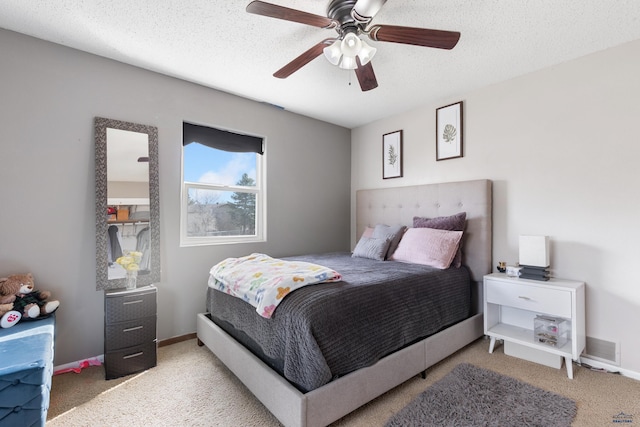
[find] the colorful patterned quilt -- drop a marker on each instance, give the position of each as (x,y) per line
(263,281)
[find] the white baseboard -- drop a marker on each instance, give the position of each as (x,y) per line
(79,364)
(610,368)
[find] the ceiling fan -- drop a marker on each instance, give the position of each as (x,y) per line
(350,18)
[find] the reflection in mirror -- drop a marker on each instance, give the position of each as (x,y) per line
(127,204)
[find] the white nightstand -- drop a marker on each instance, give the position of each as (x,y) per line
(511,305)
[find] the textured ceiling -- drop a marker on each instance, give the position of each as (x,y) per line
(217,44)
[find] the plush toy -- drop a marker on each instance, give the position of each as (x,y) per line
(27,301)
(8,316)
(7,297)
(4,308)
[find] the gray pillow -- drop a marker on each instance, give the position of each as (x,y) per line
(393,233)
(455,222)
(370,247)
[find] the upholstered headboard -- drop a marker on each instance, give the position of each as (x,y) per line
(398,205)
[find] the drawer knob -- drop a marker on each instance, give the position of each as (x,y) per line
(133,355)
(524,298)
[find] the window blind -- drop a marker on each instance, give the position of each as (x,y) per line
(220,139)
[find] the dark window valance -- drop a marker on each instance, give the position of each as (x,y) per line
(221,139)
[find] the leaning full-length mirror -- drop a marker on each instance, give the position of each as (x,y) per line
(127,204)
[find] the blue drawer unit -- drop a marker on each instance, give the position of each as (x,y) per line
(26,367)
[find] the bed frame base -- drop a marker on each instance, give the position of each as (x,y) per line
(338,398)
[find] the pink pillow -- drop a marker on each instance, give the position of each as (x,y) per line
(428,246)
(455,222)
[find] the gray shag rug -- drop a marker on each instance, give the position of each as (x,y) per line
(472,396)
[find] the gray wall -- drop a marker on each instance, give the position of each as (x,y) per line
(49,96)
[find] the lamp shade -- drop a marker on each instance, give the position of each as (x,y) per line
(348,63)
(366,52)
(534,251)
(351,45)
(333,53)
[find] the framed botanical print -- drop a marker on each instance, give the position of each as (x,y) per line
(449,131)
(392,155)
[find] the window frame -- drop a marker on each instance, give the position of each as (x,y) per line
(259,190)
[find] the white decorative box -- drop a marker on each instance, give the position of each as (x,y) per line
(513,271)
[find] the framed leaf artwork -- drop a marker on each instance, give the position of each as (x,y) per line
(449,131)
(392,155)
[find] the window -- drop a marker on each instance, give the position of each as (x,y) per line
(223,198)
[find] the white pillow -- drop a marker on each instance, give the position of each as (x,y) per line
(428,246)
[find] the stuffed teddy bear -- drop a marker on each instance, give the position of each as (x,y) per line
(27,301)
(8,316)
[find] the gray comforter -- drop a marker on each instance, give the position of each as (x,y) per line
(321,332)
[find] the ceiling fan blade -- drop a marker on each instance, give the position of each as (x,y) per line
(281,12)
(302,60)
(415,36)
(366,76)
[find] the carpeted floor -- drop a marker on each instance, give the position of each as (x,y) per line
(191,387)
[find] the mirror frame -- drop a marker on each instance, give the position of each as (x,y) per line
(102,274)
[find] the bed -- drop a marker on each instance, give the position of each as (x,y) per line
(319,400)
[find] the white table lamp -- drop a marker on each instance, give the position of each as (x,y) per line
(534,251)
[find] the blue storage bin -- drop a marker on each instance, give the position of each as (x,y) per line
(26,367)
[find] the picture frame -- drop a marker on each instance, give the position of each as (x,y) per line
(449,131)
(392,155)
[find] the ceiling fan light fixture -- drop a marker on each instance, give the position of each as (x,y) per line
(348,63)
(333,53)
(343,52)
(351,45)
(366,52)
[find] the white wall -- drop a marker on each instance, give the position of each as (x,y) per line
(562,147)
(49,96)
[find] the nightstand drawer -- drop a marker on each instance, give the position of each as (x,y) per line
(120,308)
(555,302)
(129,334)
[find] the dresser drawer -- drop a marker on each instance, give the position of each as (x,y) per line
(131,333)
(130,360)
(123,307)
(556,302)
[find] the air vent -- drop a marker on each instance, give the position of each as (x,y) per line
(604,351)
